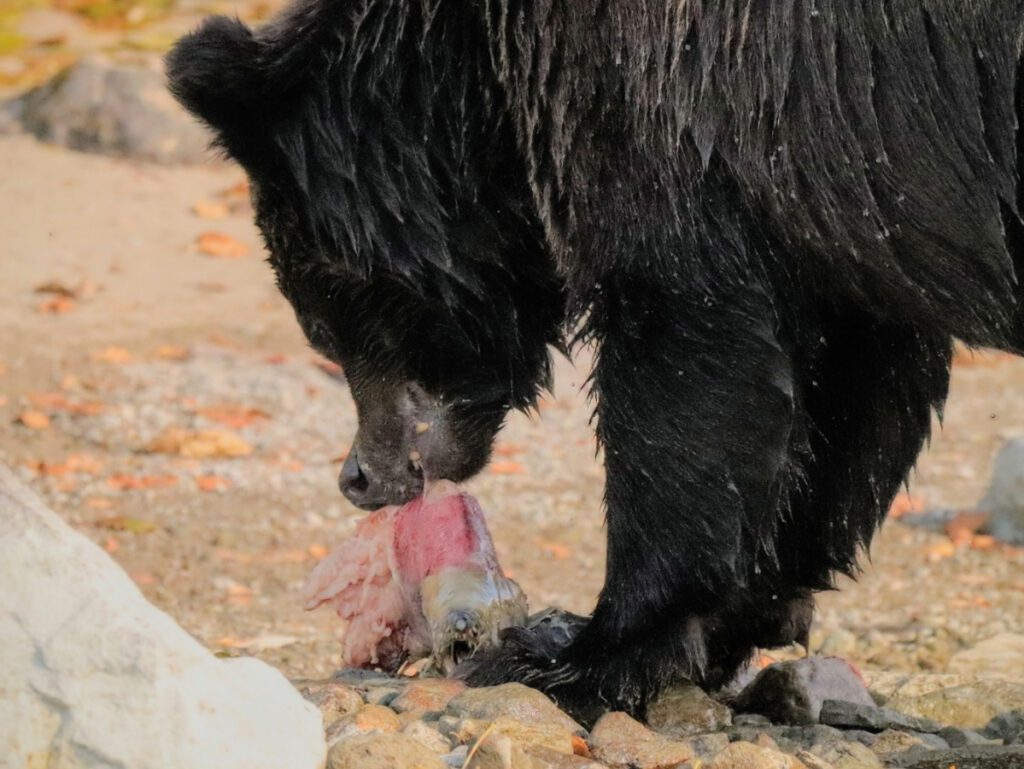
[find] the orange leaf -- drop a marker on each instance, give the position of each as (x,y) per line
(319,552)
(983,542)
(508,449)
(58,305)
(142,577)
(507,468)
(125,482)
(580,747)
(199,444)
(965,525)
(211,209)
(940,551)
(234,416)
(111,545)
(212,483)
(905,504)
(173,352)
(221,246)
(561,552)
(112,355)
(276,359)
(60,402)
(238,191)
(34,420)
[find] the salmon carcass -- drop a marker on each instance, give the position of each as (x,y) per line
(418,580)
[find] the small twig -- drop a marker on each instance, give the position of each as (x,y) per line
(477,744)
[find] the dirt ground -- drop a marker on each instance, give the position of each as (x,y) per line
(154,338)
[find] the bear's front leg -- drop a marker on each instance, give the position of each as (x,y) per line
(695,407)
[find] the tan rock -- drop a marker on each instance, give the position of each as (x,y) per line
(513,700)
(893,741)
(620,741)
(553,736)
(969,706)
(999,657)
(370,719)
(847,755)
(746,755)
(382,751)
(333,699)
(427,736)
(428,695)
(684,710)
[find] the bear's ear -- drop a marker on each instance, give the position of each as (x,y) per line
(214,73)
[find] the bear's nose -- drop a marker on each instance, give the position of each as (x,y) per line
(354,484)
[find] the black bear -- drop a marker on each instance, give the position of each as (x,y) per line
(772,219)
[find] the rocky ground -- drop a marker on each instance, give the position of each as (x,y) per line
(155,390)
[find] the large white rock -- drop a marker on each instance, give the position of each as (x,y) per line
(92,675)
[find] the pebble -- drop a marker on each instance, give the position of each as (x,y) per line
(746,755)
(847,755)
(429,695)
(792,692)
(427,736)
(895,741)
(383,751)
(620,741)
(370,719)
(551,735)
(514,700)
(684,710)
(333,699)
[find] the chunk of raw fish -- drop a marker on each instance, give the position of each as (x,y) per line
(420,579)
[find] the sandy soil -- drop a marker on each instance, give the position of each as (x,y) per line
(204,343)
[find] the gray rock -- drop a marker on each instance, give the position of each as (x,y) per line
(1008,727)
(980,757)
(112,108)
(707,746)
(850,715)
(961,738)
(750,719)
(793,692)
(1005,495)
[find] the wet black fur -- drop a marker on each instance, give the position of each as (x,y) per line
(772,218)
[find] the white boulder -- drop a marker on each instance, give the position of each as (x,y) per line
(92,675)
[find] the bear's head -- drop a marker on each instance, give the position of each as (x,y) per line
(396,211)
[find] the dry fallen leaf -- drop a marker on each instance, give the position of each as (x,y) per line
(173,352)
(212,483)
(580,747)
(507,468)
(508,449)
(58,288)
(238,191)
(905,504)
(319,552)
(112,355)
(234,416)
(75,463)
(559,551)
(940,551)
(211,209)
(60,402)
(965,525)
(221,246)
(199,444)
(123,523)
(111,545)
(125,482)
(34,420)
(57,305)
